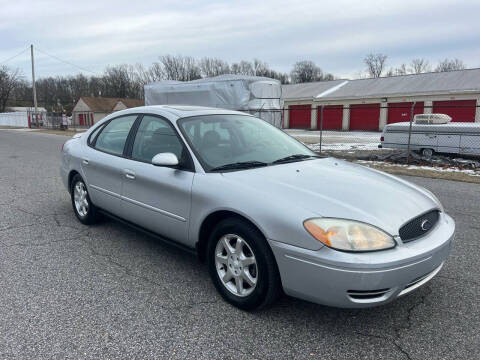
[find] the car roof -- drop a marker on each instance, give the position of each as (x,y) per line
(180,111)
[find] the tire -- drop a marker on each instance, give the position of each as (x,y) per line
(427,153)
(238,264)
(87,214)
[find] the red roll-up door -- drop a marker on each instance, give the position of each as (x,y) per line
(332,117)
(459,110)
(80,119)
(400,112)
(364,117)
(300,116)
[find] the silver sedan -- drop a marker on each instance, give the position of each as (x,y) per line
(264,212)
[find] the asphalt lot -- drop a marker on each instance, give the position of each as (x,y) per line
(71,291)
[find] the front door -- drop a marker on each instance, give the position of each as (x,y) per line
(103,163)
(158,198)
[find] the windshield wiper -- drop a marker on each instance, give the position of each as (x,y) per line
(295,157)
(240,165)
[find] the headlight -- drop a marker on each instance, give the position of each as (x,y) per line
(348,235)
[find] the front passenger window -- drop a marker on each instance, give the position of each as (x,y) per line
(114,135)
(156,136)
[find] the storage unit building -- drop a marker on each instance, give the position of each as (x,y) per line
(364,116)
(459,110)
(332,117)
(400,112)
(300,116)
(370,104)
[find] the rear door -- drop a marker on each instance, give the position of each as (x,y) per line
(103,162)
(154,197)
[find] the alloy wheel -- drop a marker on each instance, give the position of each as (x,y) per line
(236,265)
(80,199)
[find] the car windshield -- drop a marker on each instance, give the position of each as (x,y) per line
(223,142)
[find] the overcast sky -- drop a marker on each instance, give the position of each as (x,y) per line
(334,34)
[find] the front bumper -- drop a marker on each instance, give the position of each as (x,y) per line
(353,280)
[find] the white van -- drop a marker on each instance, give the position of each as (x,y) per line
(433,133)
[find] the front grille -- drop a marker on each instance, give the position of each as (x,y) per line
(419,226)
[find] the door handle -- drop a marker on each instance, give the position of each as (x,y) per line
(129,174)
(85,161)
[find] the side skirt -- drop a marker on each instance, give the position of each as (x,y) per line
(163,239)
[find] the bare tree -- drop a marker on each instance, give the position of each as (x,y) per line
(450,65)
(156,72)
(261,68)
(122,81)
(210,67)
(181,68)
(116,81)
(9,81)
(96,87)
(328,76)
(142,75)
(419,65)
(306,71)
(375,64)
(401,70)
(242,68)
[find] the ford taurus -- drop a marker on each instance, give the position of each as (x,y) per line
(264,212)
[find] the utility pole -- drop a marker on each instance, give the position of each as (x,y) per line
(33,86)
(412,110)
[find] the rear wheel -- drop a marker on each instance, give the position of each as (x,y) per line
(242,266)
(85,211)
(427,152)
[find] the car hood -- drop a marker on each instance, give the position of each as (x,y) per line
(334,188)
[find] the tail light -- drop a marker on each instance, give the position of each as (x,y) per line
(381,138)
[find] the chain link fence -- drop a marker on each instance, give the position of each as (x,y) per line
(386,130)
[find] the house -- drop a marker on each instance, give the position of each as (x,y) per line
(123,104)
(89,110)
(369,104)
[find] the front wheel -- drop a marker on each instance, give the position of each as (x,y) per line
(85,211)
(242,266)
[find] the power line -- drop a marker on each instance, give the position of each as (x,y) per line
(65,61)
(14,56)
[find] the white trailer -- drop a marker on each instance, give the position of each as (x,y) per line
(433,133)
(259,96)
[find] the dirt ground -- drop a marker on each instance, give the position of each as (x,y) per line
(398,169)
(9,127)
(69,132)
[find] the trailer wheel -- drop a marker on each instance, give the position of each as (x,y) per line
(427,153)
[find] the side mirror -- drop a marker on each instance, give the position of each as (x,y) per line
(165,159)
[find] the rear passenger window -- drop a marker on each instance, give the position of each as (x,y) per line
(155,136)
(114,135)
(94,133)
